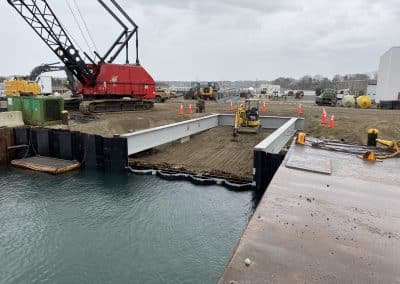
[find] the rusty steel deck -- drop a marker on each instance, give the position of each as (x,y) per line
(314,227)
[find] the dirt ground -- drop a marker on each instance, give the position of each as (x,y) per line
(120,123)
(212,152)
(351,125)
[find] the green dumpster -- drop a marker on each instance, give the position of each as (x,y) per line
(14,103)
(38,110)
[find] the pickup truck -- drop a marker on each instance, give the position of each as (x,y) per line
(162,95)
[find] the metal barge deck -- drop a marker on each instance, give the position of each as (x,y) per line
(316,227)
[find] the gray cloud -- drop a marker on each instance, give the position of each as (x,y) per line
(211,6)
(230,39)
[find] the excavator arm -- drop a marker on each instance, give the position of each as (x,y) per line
(52,67)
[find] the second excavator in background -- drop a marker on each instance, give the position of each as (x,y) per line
(205,91)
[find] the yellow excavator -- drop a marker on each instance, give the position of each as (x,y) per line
(20,86)
(30,85)
(247,117)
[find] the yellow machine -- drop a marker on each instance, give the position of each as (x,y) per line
(204,91)
(247,118)
(18,86)
(393,146)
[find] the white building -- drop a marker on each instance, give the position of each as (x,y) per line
(388,88)
(269,89)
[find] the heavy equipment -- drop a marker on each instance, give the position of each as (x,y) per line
(207,91)
(53,67)
(299,95)
(103,84)
(21,86)
(32,85)
(326,97)
(43,68)
(247,117)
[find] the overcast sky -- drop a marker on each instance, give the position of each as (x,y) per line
(225,39)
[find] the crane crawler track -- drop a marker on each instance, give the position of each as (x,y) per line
(115,105)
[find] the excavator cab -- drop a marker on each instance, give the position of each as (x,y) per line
(247,117)
(252,112)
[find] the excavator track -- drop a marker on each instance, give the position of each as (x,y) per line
(115,105)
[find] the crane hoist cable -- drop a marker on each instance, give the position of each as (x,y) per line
(74,41)
(85,25)
(79,27)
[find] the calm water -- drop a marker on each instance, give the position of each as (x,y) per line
(86,227)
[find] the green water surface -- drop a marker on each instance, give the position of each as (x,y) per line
(92,227)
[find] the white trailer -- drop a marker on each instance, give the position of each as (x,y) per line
(2,90)
(45,84)
(388,88)
(269,89)
(371,92)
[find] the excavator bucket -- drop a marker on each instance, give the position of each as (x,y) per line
(248,129)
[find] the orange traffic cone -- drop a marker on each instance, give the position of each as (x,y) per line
(231,106)
(264,107)
(299,109)
(332,121)
(190,109)
(181,111)
(324,118)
